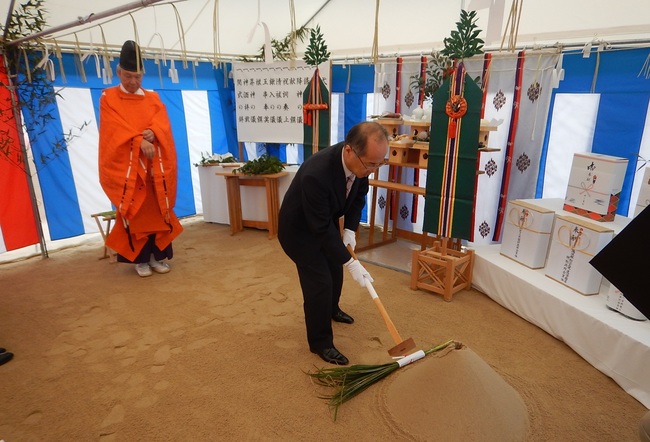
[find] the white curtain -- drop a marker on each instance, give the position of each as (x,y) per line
(531,124)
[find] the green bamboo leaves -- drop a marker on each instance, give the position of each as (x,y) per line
(438,68)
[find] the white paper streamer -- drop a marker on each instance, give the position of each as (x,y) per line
(406,360)
(173,72)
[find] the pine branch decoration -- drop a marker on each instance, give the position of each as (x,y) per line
(279,48)
(464,42)
(265,164)
(348,382)
(316,52)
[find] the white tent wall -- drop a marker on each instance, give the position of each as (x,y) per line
(404,26)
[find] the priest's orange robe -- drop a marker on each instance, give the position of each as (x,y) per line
(143,191)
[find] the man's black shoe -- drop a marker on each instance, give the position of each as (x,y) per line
(341,316)
(332,356)
(6,357)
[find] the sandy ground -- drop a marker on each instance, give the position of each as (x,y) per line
(216,350)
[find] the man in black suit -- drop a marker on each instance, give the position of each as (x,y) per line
(308,228)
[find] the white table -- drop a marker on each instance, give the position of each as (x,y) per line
(253,199)
(615,345)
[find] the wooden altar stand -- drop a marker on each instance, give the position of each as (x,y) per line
(444,268)
(269,181)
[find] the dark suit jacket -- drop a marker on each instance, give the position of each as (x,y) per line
(313,204)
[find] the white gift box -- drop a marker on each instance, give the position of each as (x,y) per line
(644,193)
(527,233)
(595,184)
(617,302)
(573,243)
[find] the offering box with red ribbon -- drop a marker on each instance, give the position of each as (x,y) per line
(527,233)
(573,243)
(595,184)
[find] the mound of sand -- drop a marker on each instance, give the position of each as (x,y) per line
(454,396)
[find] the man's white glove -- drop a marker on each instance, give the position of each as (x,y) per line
(358,272)
(349,238)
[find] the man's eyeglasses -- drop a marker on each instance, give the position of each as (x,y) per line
(370,166)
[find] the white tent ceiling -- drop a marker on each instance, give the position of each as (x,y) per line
(404,26)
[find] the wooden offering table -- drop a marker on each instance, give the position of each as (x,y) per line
(270,182)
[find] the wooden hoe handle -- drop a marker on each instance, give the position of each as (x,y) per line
(384,314)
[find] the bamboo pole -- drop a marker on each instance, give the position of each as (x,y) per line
(23,148)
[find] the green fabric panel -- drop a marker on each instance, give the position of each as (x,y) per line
(323,117)
(461,195)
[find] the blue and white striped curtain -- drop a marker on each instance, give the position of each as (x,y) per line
(201,109)
(202,120)
(601,106)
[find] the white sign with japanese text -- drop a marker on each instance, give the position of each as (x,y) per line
(268,100)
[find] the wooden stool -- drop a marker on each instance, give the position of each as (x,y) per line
(442,270)
(270,182)
(106,217)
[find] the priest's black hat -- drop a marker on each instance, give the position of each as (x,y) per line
(131,57)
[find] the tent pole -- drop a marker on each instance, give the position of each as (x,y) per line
(84,20)
(316,13)
(10,14)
